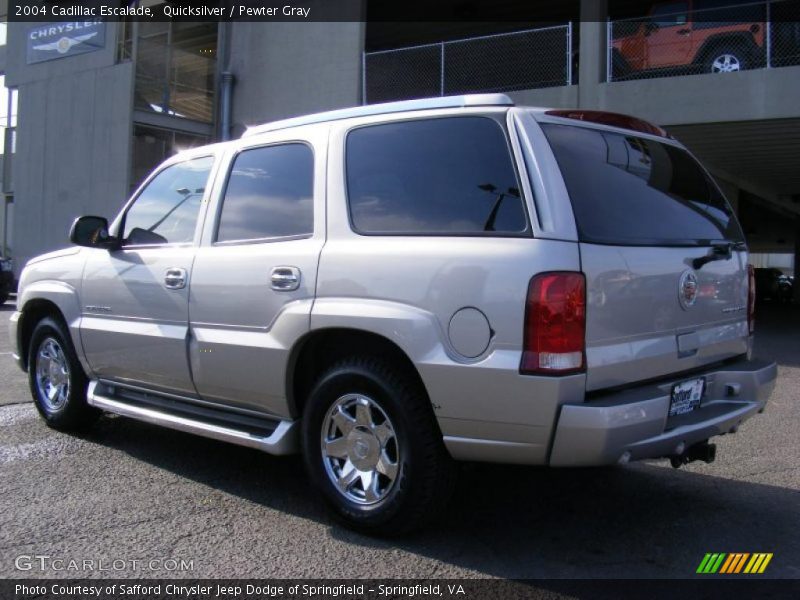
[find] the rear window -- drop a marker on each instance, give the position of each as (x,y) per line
(446,176)
(629,190)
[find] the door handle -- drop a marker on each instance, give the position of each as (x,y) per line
(175,278)
(284,279)
(683,31)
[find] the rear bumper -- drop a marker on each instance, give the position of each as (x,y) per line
(633,424)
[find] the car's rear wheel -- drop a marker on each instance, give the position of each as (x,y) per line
(727,59)
(372,445)
(56,378)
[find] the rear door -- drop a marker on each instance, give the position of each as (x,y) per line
(255,274)
(650,220)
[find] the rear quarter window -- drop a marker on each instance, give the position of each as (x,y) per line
(445,176)
(630,190)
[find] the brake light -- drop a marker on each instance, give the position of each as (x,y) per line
(555,324)
(611,119)
(751,298)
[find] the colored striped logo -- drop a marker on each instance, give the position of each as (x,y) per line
(734,563)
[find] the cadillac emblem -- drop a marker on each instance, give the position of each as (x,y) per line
(687,289)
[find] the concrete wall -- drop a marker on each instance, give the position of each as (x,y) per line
(73,141)
(289,69)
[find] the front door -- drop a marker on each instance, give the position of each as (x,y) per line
(136,299)
(254,276)
(668,35)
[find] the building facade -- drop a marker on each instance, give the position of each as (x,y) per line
(86,119)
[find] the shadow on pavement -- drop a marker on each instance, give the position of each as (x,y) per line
(638,521)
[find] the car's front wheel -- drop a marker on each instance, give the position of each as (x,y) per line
(56,378)
(372,445)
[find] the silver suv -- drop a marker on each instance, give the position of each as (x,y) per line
(392,288)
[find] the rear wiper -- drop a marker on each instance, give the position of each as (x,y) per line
(719,251)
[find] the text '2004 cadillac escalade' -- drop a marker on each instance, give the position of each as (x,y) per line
(394,288)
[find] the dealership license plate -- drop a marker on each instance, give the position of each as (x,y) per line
(686,396)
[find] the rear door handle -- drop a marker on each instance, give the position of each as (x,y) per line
(284,279)
(175,278)
(684,31)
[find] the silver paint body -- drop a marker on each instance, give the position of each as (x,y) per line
(453,305)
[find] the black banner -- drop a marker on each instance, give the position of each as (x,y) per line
(386,11)
(373,589)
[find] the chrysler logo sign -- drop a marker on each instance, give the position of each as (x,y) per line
(47,41)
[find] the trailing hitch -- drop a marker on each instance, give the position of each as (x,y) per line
(702,451)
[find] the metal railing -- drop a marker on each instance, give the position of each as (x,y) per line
(533,58)
(724,39)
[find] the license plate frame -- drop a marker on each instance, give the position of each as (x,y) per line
(685,396)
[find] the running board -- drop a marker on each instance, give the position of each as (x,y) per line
(281,439)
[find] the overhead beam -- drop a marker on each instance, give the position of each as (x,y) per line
(776,202)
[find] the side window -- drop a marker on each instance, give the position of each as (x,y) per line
(670,14)
(165,212)
(270,193)
(447,176)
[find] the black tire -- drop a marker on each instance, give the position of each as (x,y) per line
(73,412)
(737,52)
(425,474)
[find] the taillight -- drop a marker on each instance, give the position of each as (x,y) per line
(751,298)
(555,324)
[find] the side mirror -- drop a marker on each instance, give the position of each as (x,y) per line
(91,232)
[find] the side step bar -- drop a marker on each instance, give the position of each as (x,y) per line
(284,439)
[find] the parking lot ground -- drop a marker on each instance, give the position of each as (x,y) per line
(134,492)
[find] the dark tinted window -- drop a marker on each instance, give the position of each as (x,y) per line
(631,190)
(667,15)
(166,210)
(269,194)
(446,176)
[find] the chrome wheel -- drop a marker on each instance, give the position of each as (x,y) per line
(360,449)
(52,375)
(726,63)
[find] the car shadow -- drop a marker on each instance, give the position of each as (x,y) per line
(638,521)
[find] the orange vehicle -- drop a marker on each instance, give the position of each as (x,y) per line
(699,35)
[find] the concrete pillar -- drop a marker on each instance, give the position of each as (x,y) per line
(592,52)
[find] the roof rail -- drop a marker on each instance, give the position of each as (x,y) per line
(386,108)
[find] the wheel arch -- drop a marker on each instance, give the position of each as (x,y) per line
(721,39)
(47,299)
(321,348)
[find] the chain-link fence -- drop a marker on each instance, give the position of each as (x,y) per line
(521,60)
(715,37)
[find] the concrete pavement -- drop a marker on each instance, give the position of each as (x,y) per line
(132,492)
